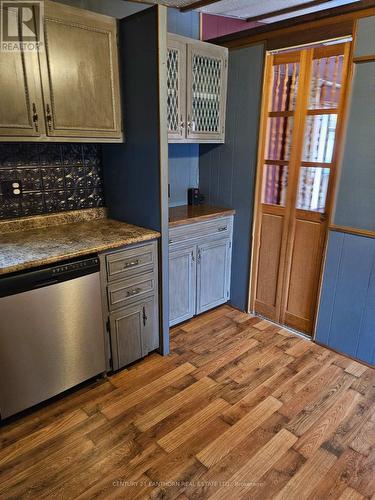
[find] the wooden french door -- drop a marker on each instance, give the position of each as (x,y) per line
(303,102)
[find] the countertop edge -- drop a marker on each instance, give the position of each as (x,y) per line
(80,253)
(202,218)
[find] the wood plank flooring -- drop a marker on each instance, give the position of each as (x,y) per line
(240,409)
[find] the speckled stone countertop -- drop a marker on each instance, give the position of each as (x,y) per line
(57,239)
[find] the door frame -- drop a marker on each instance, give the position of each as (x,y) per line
(296,155)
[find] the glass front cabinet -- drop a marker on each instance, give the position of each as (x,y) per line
(197,90)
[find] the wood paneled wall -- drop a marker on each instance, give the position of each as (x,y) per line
(183,171)
(227,171)
(355,206)
(347,309)
(346,320)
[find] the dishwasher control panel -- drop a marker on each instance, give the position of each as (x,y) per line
(76,266)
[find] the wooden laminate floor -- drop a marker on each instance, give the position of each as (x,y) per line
(241,409)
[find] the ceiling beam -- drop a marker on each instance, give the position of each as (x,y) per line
(287,10)
(197,5)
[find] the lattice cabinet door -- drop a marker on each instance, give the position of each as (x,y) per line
(176,84)
(207,71)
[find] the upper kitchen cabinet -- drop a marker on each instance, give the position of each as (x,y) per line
(21,95)
(80,73)
(77,73)
(197,90)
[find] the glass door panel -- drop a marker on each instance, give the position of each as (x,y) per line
(279,138)
(319,138)
(312,189)
(325,89)
(275,184)
(284,86)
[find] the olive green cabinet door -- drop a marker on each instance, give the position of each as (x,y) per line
(80,74)
(21,111)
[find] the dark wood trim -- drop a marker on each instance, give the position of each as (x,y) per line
(286,10)
(197,5)
(363,59)
(352,230)
(309,28)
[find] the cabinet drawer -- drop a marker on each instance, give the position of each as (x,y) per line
(131,262)
(219,227)
(130,290)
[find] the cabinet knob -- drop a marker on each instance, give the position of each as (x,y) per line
(223,228)
(135,291)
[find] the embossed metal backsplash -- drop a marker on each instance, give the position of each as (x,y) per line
(53,178)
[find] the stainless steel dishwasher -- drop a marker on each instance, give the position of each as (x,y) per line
(51,332)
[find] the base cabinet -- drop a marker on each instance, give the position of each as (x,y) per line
(130,299)
(134,332)
(200,258)
(213,274)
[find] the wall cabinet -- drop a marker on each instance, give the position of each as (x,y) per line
(200,257)
(130,302)
(77,74)
(197,90)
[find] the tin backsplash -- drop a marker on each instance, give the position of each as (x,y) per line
(52,178)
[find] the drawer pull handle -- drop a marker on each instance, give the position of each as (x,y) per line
(135,291)
(131,263)
(170,241)
(223,228)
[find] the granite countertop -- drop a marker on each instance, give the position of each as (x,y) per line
(187,214)
(35,243)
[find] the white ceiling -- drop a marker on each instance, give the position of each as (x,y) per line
(243,9)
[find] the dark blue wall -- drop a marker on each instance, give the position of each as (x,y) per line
(347,311)
(227,171)
(356,193)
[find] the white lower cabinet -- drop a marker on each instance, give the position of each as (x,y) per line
(213,274)
(182,284)
(200,258)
